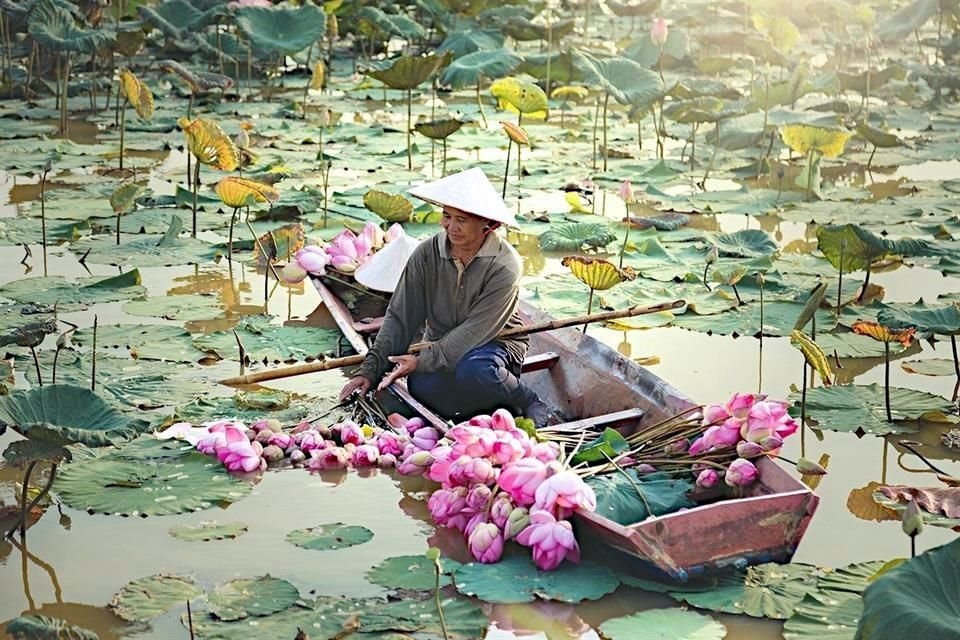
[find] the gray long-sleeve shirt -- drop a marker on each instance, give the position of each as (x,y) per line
(462,307)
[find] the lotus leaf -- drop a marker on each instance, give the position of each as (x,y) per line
(37,627)
(146,250)
(906,20)
(156,220)
(246,597)
(282,30)
(465,42)
(746,243)
(607,445)
(114,484)
(619,499)
(762,591)
(917,599)
(928,320)
(389,206)
(263,340)
(825,615)
(183,307)
(861,504)
(54,29)
(805,138)
(390,24)
(884,334)
(852,345)
(852,578)
(324,617)
(937,501)
(860,408)
(330,537)
(524,98)
(576,236)
(646,52)
(415,573)
(779,316)
(931,367)
(206,531)
(562,68)
(149,597)
(248,407)
(124,196)
(469,69)
(597,273)
(239,192)
(695,111)
(464,619)
(516,579)
(77,295)
(516,134)
(408,72)
(209,144)
(782,32)
(177,19)
(23,452)
(137,94)
(439,129)
(627,81)
(62,414)
(23,230)
(654,624)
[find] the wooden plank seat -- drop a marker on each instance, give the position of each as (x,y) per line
(540,361)
(605,420)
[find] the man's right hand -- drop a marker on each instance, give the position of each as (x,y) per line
(358,384)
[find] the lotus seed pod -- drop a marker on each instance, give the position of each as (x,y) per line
(272,453)
(296,455)
(263,437)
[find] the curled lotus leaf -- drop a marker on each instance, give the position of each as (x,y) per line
(695,110)
(54,28)
(209,144)
(804,138)
(137,94)
(517,96)
(391,207)
(878,137)
(627,81)
(597,273)
(242,192)
(570,92)
(34,626)
(408,72)
(124,196)
(199,81)
(576,236)
(516,134)
(439,129)
(884,334)
(373,20)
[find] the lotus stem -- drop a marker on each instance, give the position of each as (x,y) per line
(189,170)
(22,520)
(809,173)
(409,121)
(43,217)
(480,103)
(706,268)
(626,238)
(956,359)
(93,81)
(259,244)
(866,95)
(190,104)
(66,95)
(443,166)
(196,188)
(693,144)
(189,612)
(870,160)
(713,157)
(519,164)
(803,412)
(840,282)
(123,131)
(760,358)
(886,379)
(40,496)
(589,308)
(596,123)
(36,363)
(606,151)
(306,87)
(506,170)
(326,189)
(639,131)
(866,284)
(740,301)
(436,597)
(233,217)
(93,368)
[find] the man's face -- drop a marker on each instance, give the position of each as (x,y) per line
(463,229)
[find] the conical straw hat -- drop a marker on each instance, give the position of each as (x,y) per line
(468,191)
(382,271)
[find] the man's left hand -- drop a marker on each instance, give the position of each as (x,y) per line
(406,365)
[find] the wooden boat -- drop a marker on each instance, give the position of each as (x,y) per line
(590,384)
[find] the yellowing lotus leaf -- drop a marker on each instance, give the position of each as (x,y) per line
(516,134)
(597,273)
(570,92)
(524,98)
(878,137)
(826,141)
(137,94)
(316,80)
(209,144)
(389,206)
(241,192)
(782,33)
(883,334)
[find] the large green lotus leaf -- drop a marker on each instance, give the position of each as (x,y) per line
(157,220)
(249,407)
(763,591)
(263,340)
(918,599)
(246,597)
(930,367)
(746,243)
(206,531)
(438,129)
(330,537)
(859,408)
(901,23)
(463,42)
(64,413)
(698,299)
(856,248)
(411,572)
(464,619)
(779,317)
(646,52)
(627,81)
(16,319)
(852,578)
(577,236)
(142,341)
(562,69)
(323,618)
(389,206)
(516,579)
(54,29)
(37,627)
(6,377)
(178,19)
(408,72)
(657,624)
(928,319)
(114,484)
(389,24)
(147,598)
(825,615)
(854,345)
(619,499)
(282,30)
(185,307)
(144,250)
(694,111)
(469,69)
(75,295)
(653,260)
(22,230)
(559,294)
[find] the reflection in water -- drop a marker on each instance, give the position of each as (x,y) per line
(540,619)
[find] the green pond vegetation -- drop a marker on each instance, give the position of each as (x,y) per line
(775,164)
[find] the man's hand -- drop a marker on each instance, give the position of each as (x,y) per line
(406,365)
(359,384)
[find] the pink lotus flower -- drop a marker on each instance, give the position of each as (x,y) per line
(425,438)
(722,436)
(333,458)
(466,471)
(708,478)
(395,231)
(350,433)
(481,420)
(478,497)
(282,440)
(545,452)
(486,543)
(740,404)
(413,424)
(626,192)
(564,492)
(771,444)
(366,455)
(768,418)
(500,510)
(220,437)
(388,442)
(521,479)
(749,449)
(505,449)
(697,447)
(343,244)
(740,473)
(444,504)
(387,461)
(309,440)
(659,32)
(313,259)
(678,446)
(552,541)
(416,464)
(715,414)
(502,420)
(242,455)
(517,521)
(472,441)
(443,457)
(372,236)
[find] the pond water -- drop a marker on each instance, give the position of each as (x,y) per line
(72,562)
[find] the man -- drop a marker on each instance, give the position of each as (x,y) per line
(463,284)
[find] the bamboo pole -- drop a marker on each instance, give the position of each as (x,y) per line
(548,325)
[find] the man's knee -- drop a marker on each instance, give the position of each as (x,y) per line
(479,370)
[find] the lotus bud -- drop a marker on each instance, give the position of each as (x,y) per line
(677,446)
(626,192)
(517,521)
(478,497)
(413,424)
(912,519)
(251,435)
(242,139)
(272,453)
(712,255)
(486,543)
(282,440)
(324,431)
(263,436)
(659,32)
(296,456)
(333,27)
(293,273)
(350,433)
(348,447)
(772,443)
(366,455)
(395,231)
(643,469)
(810,468)
(421,459)
(708,478)
(323,459)
(303,426)
(740,473)
(749,449)
(500,510)
(697,447)
(387,461)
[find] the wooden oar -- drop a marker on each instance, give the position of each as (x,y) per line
(549,325)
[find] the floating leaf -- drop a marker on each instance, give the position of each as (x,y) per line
(745,243)
(206,531)
(263,340)
(184,307)
(75,295)
(37,627)
(779,316)
(762,591)
(852,578)
(246,597)
(576,236)
(517,579)
(330,537)
(411,572)
(389,206)
(655,624)
(149,597)
(597,273)
(928,320)
(860,408)
(931,367)
(860,503)
(944,501)
(825,615)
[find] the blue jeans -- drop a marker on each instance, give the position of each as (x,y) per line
(485,378)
